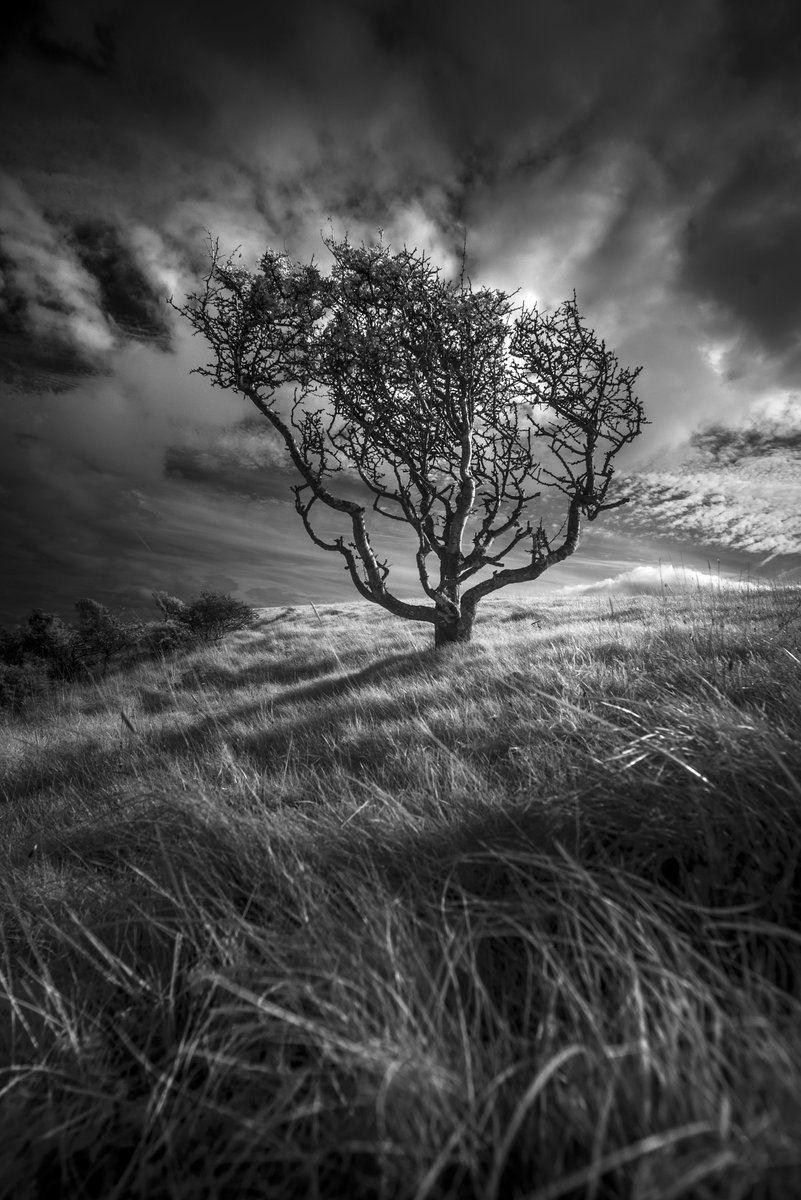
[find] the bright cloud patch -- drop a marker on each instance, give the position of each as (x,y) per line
(653,579)
(754,509)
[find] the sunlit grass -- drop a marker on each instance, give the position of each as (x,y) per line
(316,912)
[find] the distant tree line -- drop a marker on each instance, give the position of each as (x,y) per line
(48,649)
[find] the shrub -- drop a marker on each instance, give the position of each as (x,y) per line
(209,617)
(172,608)
(101,634)
(163,637)
(213,614)
(54,642)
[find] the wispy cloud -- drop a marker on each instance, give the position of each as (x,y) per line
(736,487)
(655,578)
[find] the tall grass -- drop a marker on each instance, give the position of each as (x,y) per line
(318,913)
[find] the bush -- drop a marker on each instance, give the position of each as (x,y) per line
(101,634)
(32,655)
(172,608)
(214,614)
(209,617)
(54,643)
(48,648)
(163,637)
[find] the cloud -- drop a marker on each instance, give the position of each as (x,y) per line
(66,34)
(656,578)
(131,301)
(73,293)
(47,294)
(729,487)
(741,249)
(247,461)
(753,512)
(576,143)
(772,428)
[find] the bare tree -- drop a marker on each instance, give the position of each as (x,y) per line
(452,408)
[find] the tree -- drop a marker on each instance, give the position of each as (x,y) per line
(209,616)
(173,608)
(451,407)
(102,634)
(213,614)
(54,642)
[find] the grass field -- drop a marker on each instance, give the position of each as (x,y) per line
(316,912)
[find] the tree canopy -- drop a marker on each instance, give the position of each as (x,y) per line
(454,407)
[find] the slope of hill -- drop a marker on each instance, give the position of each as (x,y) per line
(317,912)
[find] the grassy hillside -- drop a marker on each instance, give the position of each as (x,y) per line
(315,912)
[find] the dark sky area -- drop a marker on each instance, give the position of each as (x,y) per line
(647,155)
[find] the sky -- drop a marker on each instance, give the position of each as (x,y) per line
(646,155)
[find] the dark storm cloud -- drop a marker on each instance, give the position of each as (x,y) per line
(28,365)
(362,102)
(127,296)
(764,42)
(71,293)
(726,444)
(742,243)
(467,109)
(541,80)
(35,29)
(628,114)
(743,249)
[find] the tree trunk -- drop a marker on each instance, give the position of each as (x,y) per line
(453,618)
(453,628)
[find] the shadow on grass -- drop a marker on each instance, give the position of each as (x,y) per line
(80,765)
(722,857)
(674,855)
(160,894)
(396,667)
(71,765)
(258,673)
(148,844)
